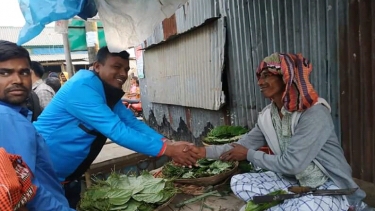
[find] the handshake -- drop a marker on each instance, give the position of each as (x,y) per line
(187,154)
(184,153)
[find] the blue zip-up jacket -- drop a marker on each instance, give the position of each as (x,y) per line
(80,117)
(18,136)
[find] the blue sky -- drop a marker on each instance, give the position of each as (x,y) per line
(10,13)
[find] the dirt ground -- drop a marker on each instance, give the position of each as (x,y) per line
(212,203)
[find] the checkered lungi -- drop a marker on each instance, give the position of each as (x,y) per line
(247,185)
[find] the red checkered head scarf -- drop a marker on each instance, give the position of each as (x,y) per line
(299,93)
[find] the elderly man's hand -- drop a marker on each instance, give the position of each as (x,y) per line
(182,153)
(237,153)
(200,151)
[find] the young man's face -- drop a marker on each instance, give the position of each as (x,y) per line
(15,81)
(114,71)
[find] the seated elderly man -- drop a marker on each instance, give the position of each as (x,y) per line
(298,128)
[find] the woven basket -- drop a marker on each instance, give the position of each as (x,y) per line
(212,180)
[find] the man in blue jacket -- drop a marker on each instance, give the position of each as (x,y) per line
(18,135)
(86,111)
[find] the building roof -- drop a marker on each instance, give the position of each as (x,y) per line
(58,57)
(48,37)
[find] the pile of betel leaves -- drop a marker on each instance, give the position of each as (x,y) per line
(224,134)
(205,168)
(127,193)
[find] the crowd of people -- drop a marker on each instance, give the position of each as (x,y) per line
(73,126)
(71,130)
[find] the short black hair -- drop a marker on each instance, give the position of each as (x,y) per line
(54,83)
(103,53)
(37,68)
(10,50)
(135,78)
(53,75)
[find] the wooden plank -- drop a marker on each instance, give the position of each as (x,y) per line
(115,156)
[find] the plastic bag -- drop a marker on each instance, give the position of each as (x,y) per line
(129,23)
(126,23)
(38,13)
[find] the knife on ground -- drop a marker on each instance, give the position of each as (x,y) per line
(307,191)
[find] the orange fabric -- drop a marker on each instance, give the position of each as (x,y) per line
(16,188)
(162,151)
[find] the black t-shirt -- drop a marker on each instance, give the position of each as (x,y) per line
(34,106)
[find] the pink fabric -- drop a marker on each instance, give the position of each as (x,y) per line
(133,90)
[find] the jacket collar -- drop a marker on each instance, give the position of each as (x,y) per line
(20,109)
(112,94)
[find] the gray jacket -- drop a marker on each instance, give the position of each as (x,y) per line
(314,138)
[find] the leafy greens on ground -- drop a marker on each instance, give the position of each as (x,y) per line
(224,134)
(127,193)
(205,168)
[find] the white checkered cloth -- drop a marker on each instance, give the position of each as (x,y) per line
(245,186)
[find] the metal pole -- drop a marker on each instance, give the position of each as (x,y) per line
(92,40)
(68,58)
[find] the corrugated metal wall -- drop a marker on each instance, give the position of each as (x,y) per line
(187,71)
(337,36)
(357,77)
(257,28)
(191,15)
(196,12)
(172,120)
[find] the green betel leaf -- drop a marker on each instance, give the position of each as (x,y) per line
(188,175)
(220,165)
(119,196)
(149,197)
(205,162)
(146,207)
(153,186)
(113,180)
(172,171)
(227,131)
(135,184)
(132,205)
(121,207)
(167,194)
(117,191)
(124,182)
(96,193)
(220,141)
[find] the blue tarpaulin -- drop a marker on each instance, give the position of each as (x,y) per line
(38,13)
